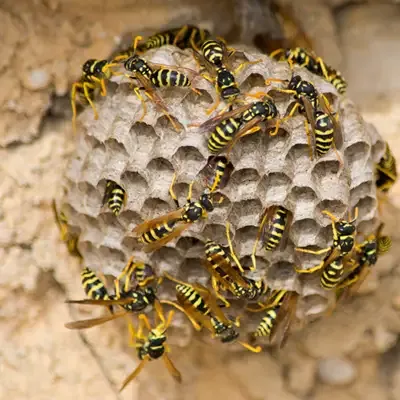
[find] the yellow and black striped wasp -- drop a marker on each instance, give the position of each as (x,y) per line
(115,197)
(219,170)
(138,299)
(366,255)
(215,57)
(326,132)
(152,77)
(273,229)
(386,171)
(313,63)
(151,346)
(66,235)
(159,231)
(335,263)
(184,37)
(227,275)
(227,128)
(280,312)
(95,73)
(200,306)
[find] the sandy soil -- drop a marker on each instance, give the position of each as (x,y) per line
(355,354)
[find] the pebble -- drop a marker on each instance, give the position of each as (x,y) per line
(336,371)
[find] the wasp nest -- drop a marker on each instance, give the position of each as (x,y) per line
(142,157)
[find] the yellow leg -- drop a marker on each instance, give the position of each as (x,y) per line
(189,196)
(159,311)
(182,310)
(232,251)
(86,87)
(214,284)
(331,216)
(283,120)
(214,107)
(140,97)
(146,322)
(167,323)
(308,133)
(276,52)
(316,252)
(132,335)
(269,80)
(73,105)
(136,40)
(242,65)
(248,346)
(181,32)
(127,272)
(102,84)
(311,270)
(323,67)
(172,192)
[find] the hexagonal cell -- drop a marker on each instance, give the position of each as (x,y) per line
(245,213)
(166,259)
(357,157)
(92,167)
(190,247)
(243,183)
(336,207)
(304,232)
(145,137)
(187,159)
(299,157)
(215,232)
(253,80)
(154,207)
(366,208)
(163,170)
(111,260)
(302,201)
(136,187)
(164,127)
(116,161)
(273,188)
(244,241)
(282,275)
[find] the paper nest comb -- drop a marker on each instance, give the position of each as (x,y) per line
(142,157)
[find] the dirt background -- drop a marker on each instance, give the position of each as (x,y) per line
(355,354)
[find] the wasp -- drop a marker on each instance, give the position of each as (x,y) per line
(220,172)
(138,299)
(227,128)
(66,235)
(215,57)
(151,346)
(367,254)
(201,307)
(280,311)
(386,172)
(115,197)
(94,75)
(313,63)
(273,229)
(160,231)
(187,36)
(228,276)
(326,131)
(334,264)
(152,76)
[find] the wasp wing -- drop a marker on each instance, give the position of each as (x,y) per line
(150,224)
(89,323)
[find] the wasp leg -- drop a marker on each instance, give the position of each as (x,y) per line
(172,192)
(232,251)
(214,284)
(182,310)
(242,65)
(86,87)
(248,346)
(316,252)
(309,271)
(73,105)
(308,133)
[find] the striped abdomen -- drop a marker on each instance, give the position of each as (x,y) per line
(219,172)
(324,130)
(158,232)
(168,78)
(93,285)
(213,52)
(276,229)
(194,298)
(337,81)
(159,40)
(223,134)
(115,197)
(265,326)
(332,274)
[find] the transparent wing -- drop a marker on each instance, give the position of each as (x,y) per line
(89,323)
(150,224)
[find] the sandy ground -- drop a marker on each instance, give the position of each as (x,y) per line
(355,354)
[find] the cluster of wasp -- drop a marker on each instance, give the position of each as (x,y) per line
(345,264)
